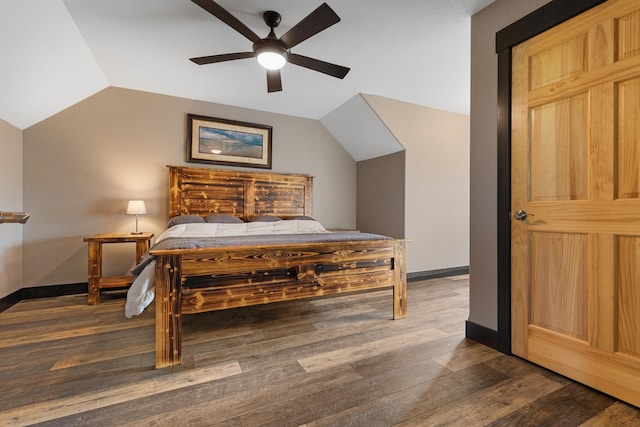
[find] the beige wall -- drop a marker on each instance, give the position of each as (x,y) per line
(83,164)
(10,200)
(436,181)
(381,195)
(483,308)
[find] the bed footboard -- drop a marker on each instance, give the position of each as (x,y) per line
(200,280)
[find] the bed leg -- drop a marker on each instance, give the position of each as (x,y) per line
(168,304)
(400,282)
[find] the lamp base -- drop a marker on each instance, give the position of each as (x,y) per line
(137,232)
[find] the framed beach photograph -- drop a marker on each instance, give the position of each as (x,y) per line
(228,142)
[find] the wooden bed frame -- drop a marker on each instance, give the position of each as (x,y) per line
(207,279)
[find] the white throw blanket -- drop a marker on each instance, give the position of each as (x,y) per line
(142,291)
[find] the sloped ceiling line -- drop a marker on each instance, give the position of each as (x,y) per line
(359,129)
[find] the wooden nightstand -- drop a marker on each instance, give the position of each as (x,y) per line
(96,281)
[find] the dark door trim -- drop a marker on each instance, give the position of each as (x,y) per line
(548,16)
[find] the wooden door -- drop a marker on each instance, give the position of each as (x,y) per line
(576,173)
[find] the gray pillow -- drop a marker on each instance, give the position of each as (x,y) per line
(265,218)
(184,219)
(223,219)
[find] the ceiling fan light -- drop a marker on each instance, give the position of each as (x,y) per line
(271,60)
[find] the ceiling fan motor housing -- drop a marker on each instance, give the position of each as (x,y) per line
(270,45)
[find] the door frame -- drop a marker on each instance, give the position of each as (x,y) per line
(540,20)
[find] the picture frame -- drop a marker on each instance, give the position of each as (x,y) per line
(228,142)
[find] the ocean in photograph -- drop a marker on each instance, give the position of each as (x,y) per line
(230,143)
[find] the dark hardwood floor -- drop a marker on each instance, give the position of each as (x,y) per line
(327,362)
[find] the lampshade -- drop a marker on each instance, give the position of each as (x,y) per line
(271,52)
(271,60)
(136,207)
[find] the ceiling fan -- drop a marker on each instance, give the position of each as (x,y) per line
(272,52)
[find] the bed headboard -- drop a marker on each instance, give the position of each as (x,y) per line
(200,191)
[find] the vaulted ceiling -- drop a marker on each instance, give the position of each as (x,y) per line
(54,53)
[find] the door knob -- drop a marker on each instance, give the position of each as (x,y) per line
(521,215)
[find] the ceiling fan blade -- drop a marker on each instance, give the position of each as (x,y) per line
(317,65)
(221,13)
(202,60)
(320,19)
(274,82)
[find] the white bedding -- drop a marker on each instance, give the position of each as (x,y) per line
(142,291)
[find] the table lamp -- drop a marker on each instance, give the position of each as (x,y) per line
(136,207)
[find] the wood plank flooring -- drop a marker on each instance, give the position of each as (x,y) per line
(326,362)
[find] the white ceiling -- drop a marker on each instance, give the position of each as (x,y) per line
(360,131)
(54,53)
